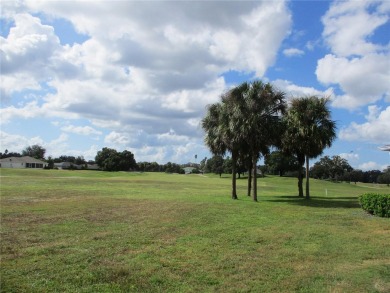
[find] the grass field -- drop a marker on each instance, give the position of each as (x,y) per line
(84,231)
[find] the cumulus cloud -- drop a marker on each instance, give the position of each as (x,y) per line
(350,156)
(371,166)
(359,66)
(291,52)
(17,143)
(349,24)
(116,138)
(364,80)
(298,91)
(81,130)
(375,130)
(153,68)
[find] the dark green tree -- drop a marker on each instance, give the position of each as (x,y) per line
(50,163)
(384,178)
(279,163)
(245,121)
(215,165)
(110,160)
(308,131)
(371,176)
(356,176)
(330,168)
(219,137)
(36,151)
(127,161)
(258,120)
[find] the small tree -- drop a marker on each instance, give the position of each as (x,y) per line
(35,151)
(111,160)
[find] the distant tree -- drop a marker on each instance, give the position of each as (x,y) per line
(371,176)
(227,166)
(173,168)
(80,160)
(127,161)
(64,158)
(332,168)
(50,163)
(356,176)
(215,165)
(202,164)
(36,151)
(384,178)
(279,163)
(195,171)
(110,160)
(7,154)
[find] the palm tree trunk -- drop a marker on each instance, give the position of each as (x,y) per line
(300,183)
(234,187)
(307,178)
(254,177)
(249,180)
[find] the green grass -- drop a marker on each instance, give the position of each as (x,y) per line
(86,231)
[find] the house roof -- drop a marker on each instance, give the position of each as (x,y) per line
(25,159)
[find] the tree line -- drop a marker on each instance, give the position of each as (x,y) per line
(335,168)
(107,159)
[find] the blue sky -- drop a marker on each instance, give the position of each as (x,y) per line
(77,76)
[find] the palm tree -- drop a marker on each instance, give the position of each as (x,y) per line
(245,124)
(221,134)
(258,116)
(309,130)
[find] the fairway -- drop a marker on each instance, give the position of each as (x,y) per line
(90,231)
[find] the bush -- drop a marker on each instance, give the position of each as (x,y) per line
(376,204)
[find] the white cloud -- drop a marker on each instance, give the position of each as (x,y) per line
(294,90)
(371,166)
(376,129)
(81,130)
(171,138)
(155,67)
(30,110)
(291,52)
(348,24)
(350,156)
(13,142)
(17,143)
(359,66)
(146,73)
(364,80)
(117,139)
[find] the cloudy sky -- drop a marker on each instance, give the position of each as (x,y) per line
(77,76)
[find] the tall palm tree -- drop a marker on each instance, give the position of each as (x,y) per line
(309,130)
(244,124)
(258,116)
(222,131)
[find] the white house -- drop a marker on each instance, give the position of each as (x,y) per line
(22,162)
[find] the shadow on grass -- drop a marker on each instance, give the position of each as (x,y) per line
(319,201)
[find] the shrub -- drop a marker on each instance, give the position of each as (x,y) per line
(377,204)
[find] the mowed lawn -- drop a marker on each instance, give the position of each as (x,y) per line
(85,231)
